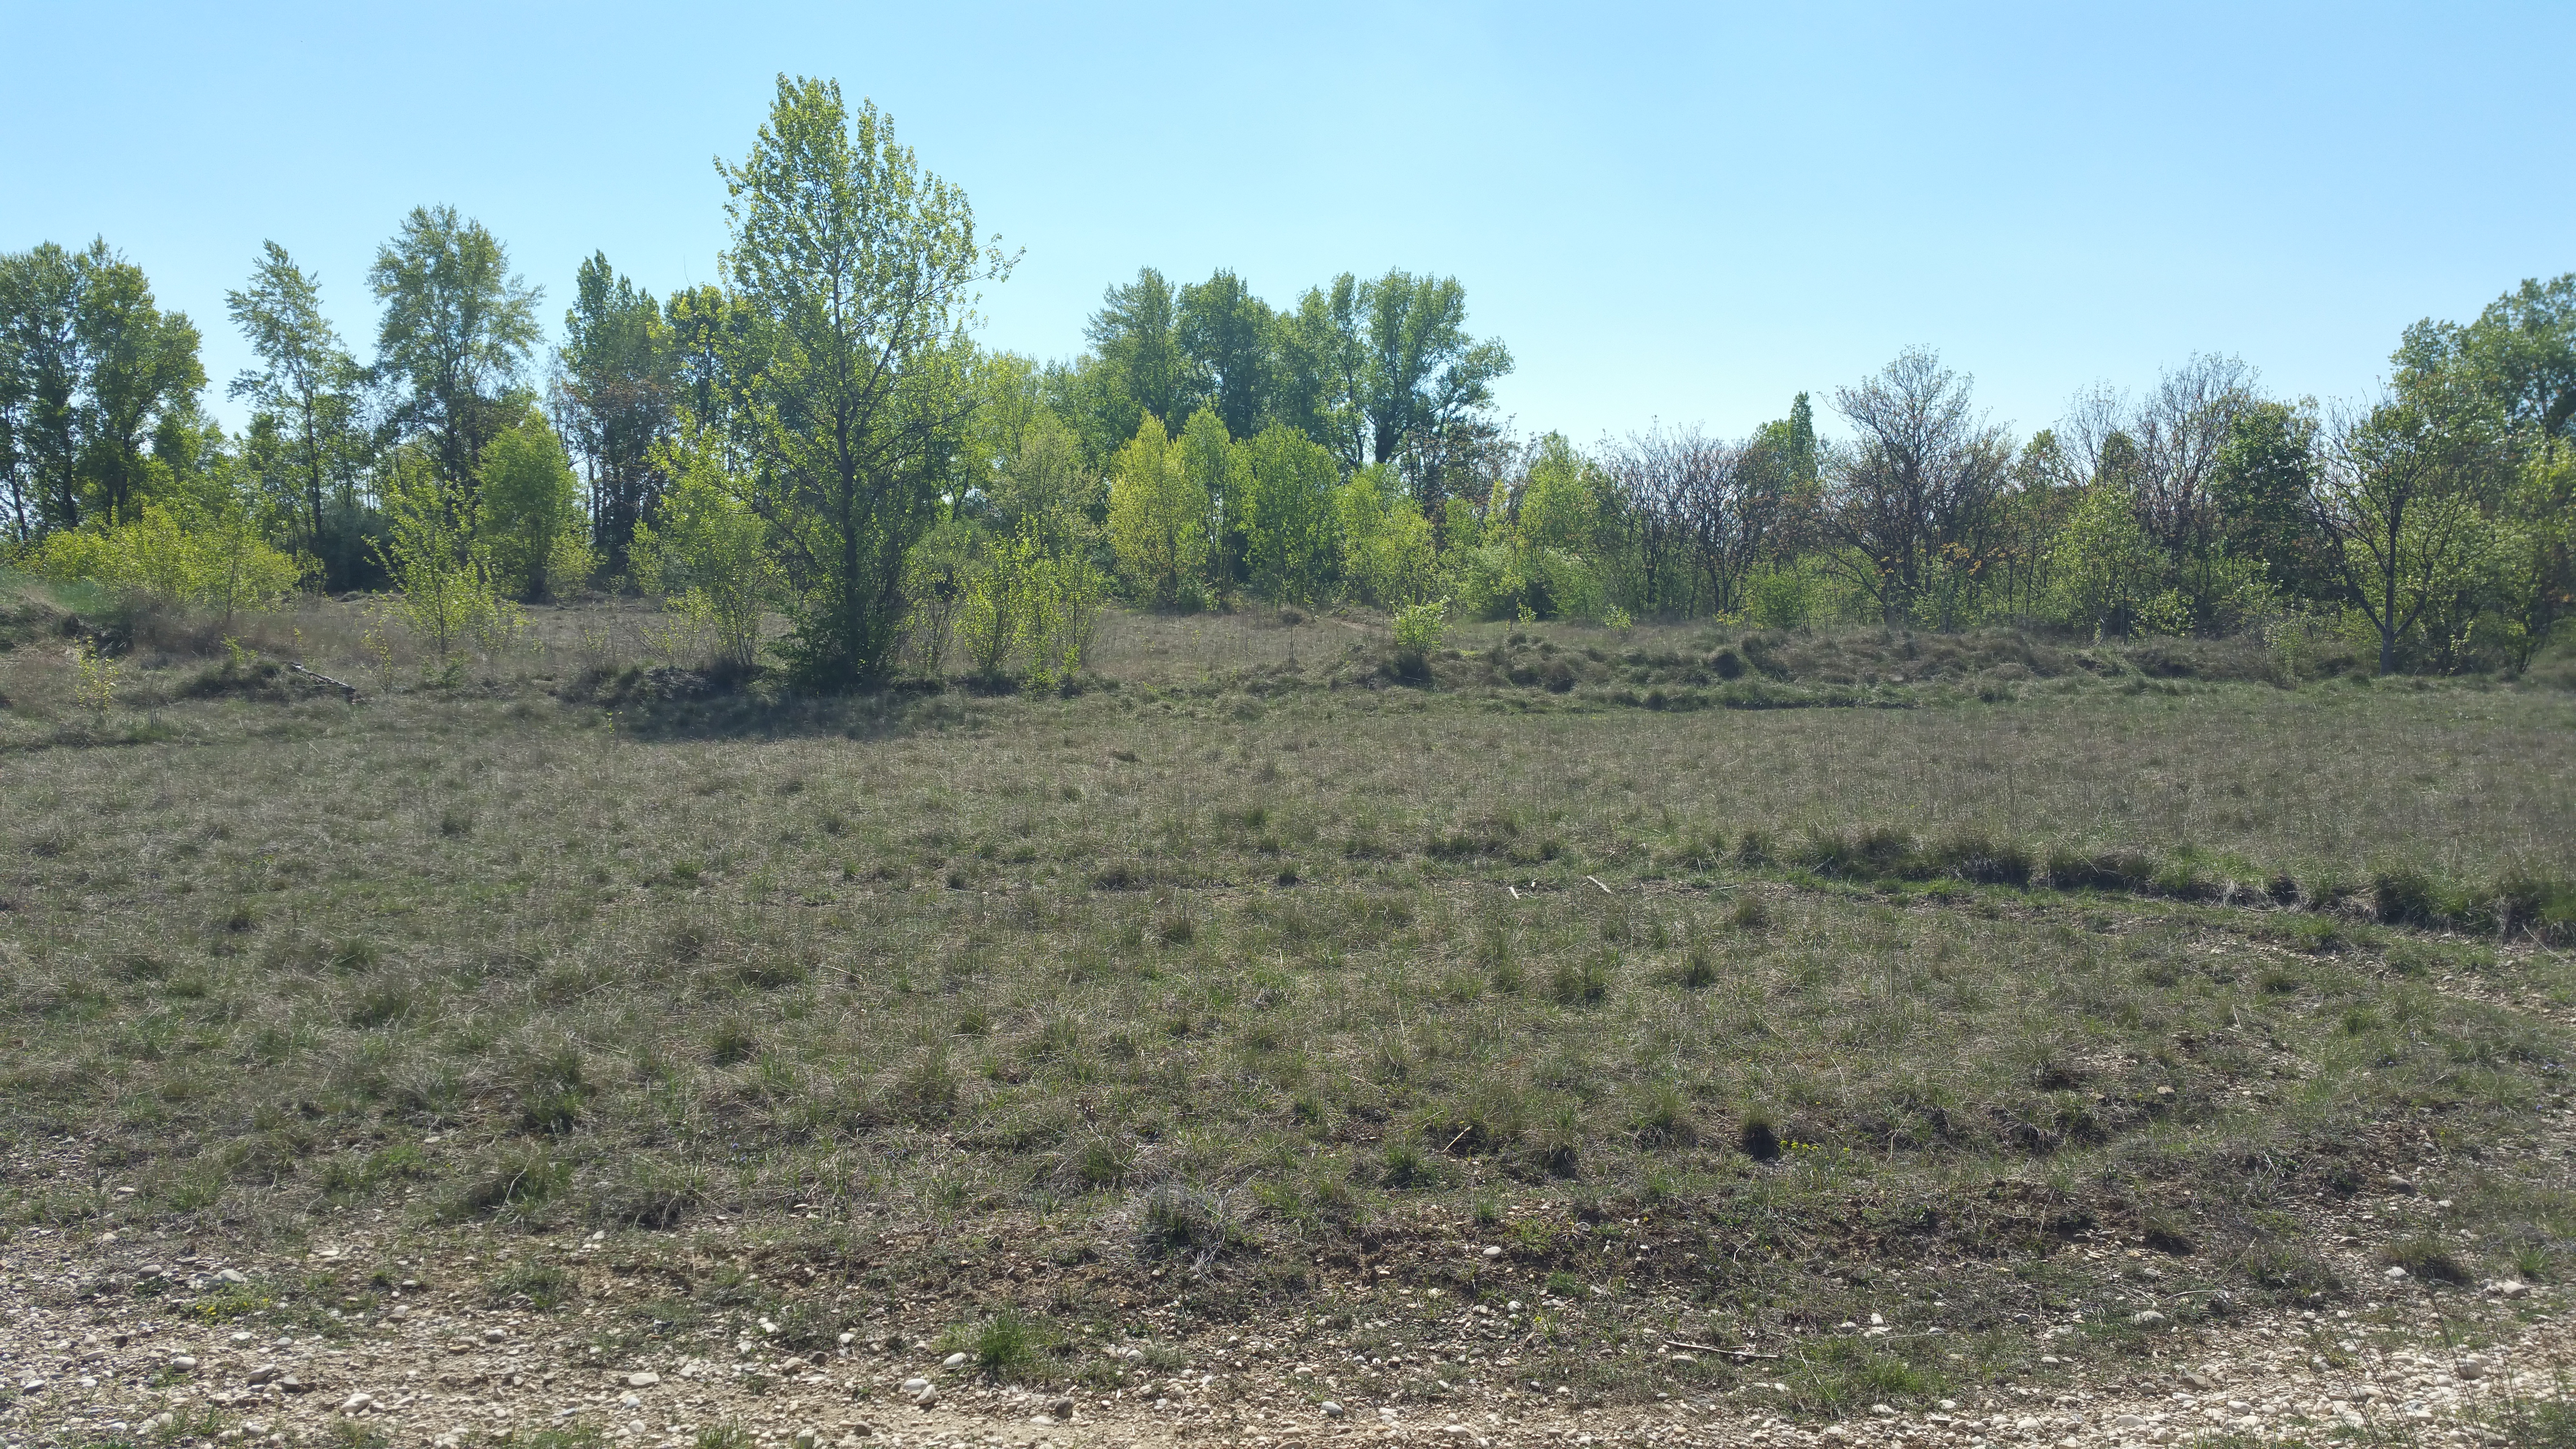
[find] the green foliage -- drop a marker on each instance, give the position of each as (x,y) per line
(437,558)
(708,556)
(2402,496)
(98,389)
(209,558)
(619,394)
(1158,517)
(844,363)
(531,514)
(307,435)
(1566,505)
(1418,632)
(1288,514)
(2104,568)
(456,330)
(1386,544)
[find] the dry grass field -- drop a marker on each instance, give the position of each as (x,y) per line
(1590,995)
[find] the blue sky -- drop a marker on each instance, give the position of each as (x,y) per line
(1684,213)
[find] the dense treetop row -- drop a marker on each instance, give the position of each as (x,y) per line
(819,435)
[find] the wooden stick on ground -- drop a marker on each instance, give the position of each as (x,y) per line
(347,690)
(1712,1348)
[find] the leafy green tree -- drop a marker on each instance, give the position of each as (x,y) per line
(1799,444)
(617,393)
(994,616)
(1216,472)
(143,381)
(707,554)
(1158,514)
(2539,564)
(2266,475)
(448,591)
(98,386)
(531,512)
(1423,374)
(2105,568)
(2518,357)
(1226,333)
(2399,495)
(854,272)
(456,333)
(1048,487)
(306,405)
(1291,531)
(1318,366)
(1387,553)
(1565,501)
(41,379)
(1137,335)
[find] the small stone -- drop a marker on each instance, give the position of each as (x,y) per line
(1493,1252)
(915,1385)
(954,1360)
(185,1363)
(806,1439)
(1884,1411)
(927,1396)
(31,1386)
(2146,1318)
(356,1403)
(231,1275)
(2509,1288)
(1061,1408)
(495,1335)
(292,1384)
(2470,1369)
(265,1373)
(1331,1410)
(2394,1274)
(643,1380)
(1457,1431)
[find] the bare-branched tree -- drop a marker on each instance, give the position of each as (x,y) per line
(1913,499)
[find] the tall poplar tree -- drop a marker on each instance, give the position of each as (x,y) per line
(853,271)
(457,329)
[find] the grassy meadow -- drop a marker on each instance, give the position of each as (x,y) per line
(1732,987)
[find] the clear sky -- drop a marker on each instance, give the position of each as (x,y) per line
(1675,212)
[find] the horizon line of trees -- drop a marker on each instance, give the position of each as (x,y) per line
(817,434)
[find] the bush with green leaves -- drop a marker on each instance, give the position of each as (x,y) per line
(433,549)
(708,554)
(202,557)
(532,517)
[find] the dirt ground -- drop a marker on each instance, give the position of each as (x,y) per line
(88,1360)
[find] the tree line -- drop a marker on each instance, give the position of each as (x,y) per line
(817,435)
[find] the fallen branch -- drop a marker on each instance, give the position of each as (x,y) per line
(1712,1348)
(1605,890)
(347,690)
